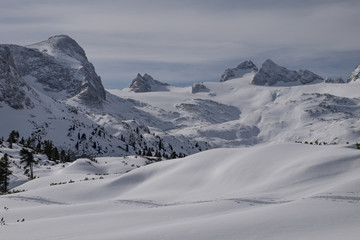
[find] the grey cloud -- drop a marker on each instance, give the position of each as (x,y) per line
(183,38)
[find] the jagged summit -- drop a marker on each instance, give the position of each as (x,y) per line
(59,68)
(272,74)
(238,72)
(355,75)
(147,84)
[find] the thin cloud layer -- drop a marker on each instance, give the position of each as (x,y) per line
(194,35)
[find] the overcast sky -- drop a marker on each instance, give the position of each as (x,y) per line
(187,41)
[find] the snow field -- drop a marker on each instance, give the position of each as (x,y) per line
(273,191)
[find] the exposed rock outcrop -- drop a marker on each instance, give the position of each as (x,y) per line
(13,90)
(336,80)
(272,74)
(238,72)
(355,75)
(147,84)
(199,87)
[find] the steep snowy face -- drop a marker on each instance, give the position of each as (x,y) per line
(272,74)
(59,68)
(147,84)
(355,75)
(12,87)
(238,72)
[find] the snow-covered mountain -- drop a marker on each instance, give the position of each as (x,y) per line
(257,184)
(63,100)
(50,91)
(58,67)
(147,84)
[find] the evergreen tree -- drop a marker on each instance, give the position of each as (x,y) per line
(27,157)
(62,155)
(5,172)
(55,154)
(13,136)
(149,153)
(38,147)
(48,148)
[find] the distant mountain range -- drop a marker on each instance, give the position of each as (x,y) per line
(50,91)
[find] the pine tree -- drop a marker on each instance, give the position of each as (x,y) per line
(38,147)
(13,136)
(48,149)
(62,155)
(55,154)
(5,172)
(28,158)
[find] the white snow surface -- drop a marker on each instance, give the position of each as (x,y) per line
(271,191)
(324,112)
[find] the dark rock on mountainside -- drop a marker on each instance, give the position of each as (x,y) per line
(59,68)
(199,87)
(272,74)
(336,80)
(13,90)
(238,72)
(147,84)
(355,75)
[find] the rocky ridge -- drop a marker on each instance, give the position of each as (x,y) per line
(238,72)
(272,74)
(355,75)
(147,84)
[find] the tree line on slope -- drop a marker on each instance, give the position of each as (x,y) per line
(29,148)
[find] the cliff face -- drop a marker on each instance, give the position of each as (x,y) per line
(59,68)
(13,90)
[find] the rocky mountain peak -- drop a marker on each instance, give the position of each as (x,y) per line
(59,68)
(147,84)
(61,44)
(247,65)
(355,75)
(272,74)
(238,72)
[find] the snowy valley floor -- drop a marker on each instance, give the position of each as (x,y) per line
(276,191)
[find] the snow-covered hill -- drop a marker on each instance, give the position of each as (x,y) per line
(276,191)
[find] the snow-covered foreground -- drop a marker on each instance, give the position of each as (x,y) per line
(276,191)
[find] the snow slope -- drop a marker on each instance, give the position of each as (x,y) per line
(273,191)
(327,112)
